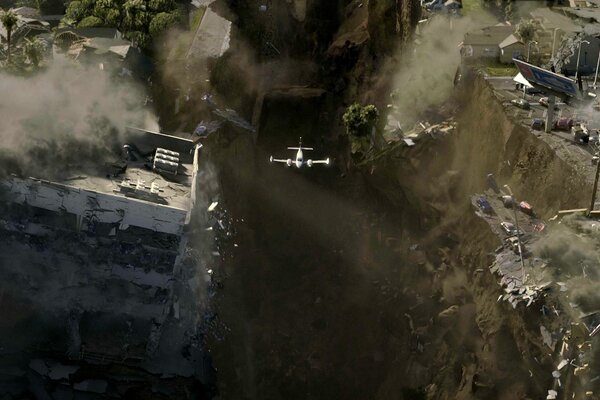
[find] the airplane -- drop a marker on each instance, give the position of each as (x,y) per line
(299,161)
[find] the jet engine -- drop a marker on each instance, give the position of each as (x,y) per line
(309,163)
(289,162)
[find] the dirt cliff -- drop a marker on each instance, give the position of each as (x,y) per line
(374,285)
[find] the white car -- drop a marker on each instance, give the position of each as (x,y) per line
(509,228)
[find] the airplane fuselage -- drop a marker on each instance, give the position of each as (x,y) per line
(299,159)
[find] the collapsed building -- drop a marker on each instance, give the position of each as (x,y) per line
(97,274)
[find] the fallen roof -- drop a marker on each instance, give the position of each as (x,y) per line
(110,33)
(105,45)
(510,40)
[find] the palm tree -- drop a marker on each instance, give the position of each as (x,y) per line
(9,19)
(34,50)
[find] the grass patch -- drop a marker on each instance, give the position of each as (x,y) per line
(181,47)
(471,7)
(500,70)
(197,18)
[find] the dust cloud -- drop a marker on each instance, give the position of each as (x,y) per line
(64,117)
(571,250)
(426,79)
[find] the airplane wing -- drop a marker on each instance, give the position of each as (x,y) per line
(300,148)
(326,161)
(277,160)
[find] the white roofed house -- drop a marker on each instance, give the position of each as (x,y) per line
(483,44)
(511,47)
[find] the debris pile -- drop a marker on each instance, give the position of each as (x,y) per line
(394,133)
(516,292)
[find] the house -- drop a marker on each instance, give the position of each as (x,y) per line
(484,43)
(106,53)
(65,37)
(27,12)
(52,19)
(26,27)
(110,33)
(511,47)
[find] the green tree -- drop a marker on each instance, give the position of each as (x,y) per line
(161,5)
(33,50)
(90,22)
(9,19)
(526,30)
(78,10)
(161,22)
(360,120)
(136,17)
(141,39)
(109,11)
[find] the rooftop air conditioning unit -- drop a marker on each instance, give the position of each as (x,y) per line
(166,161)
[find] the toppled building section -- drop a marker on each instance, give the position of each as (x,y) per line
(101,262)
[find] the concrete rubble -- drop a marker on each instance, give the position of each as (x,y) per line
(568,338)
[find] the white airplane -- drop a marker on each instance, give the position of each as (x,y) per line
(299,161)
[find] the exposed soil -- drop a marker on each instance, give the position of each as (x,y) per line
(373,284)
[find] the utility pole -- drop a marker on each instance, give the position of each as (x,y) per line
(550,113)
(578,57)
(597,65)
(595,189)
(553,43)
(514,207)
(528,49)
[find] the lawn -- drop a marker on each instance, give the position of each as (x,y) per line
(197,18)
(500,70)
(471,7)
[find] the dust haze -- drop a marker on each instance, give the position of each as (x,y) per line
(64,117)
(426,79)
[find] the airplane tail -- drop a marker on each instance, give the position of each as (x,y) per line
(300,146)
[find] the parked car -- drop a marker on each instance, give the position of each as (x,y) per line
(580,133)
(513,243)
(526,208)
(529,90)
(507,201)
(484,205)
(521,104)
(563,124)
(539,227)
(538,124)
(509,228)
(544,103)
